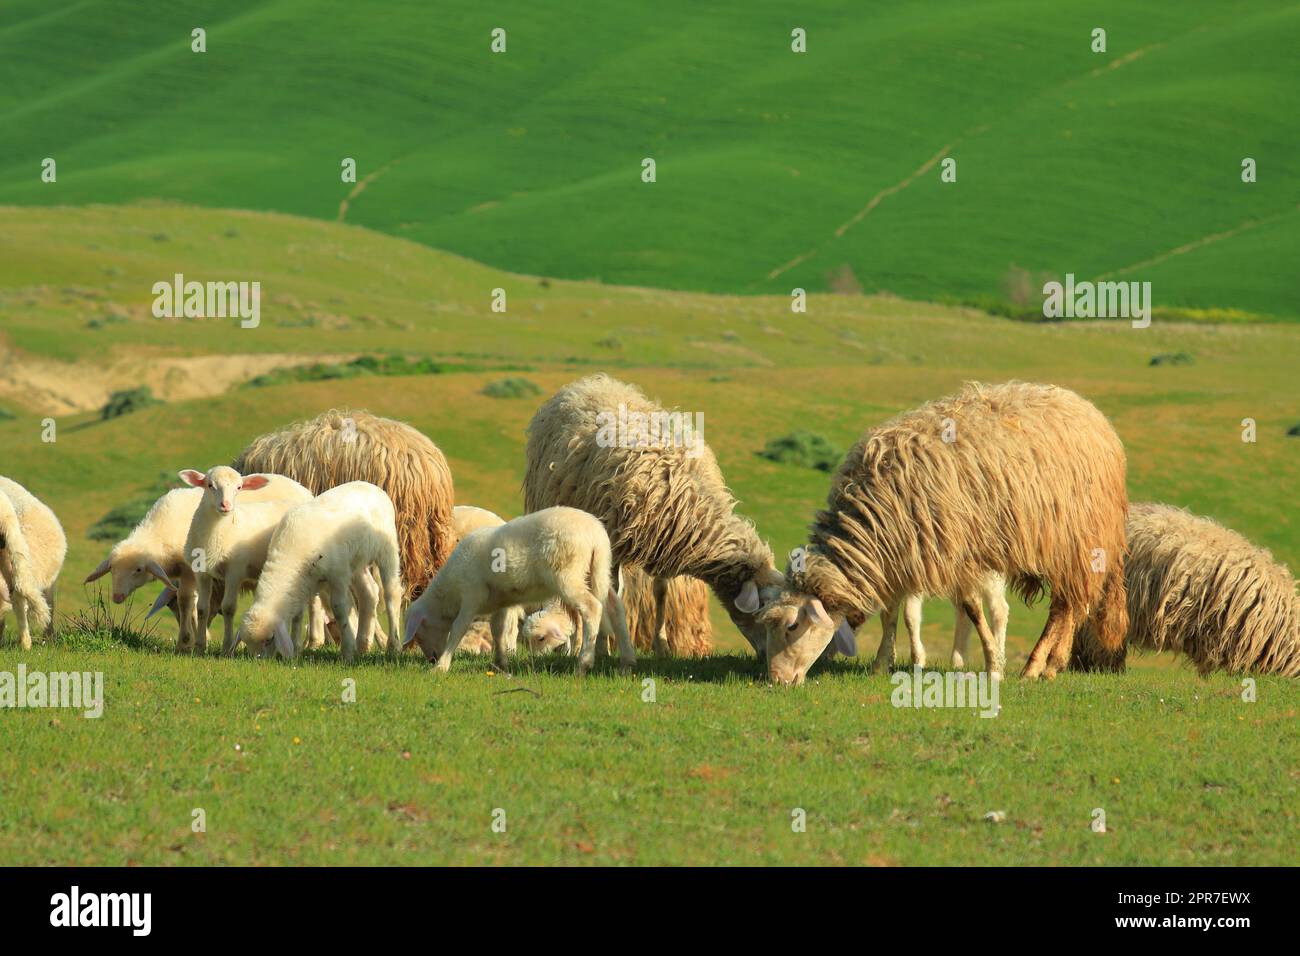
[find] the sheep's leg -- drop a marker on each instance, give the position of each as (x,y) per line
(589,608)
(390,581)
(1058,658)
(49,599)
(912,621)
(1037,664)
(464,621)
(203,613)
(616,616)
(660,587)
(885,653)
(993,662)
(3,622)
(367,595)
(960,635)
(229,604)
(500,623)
(995,593)
(20,614)
(341,602)
(510,637)
(315,624)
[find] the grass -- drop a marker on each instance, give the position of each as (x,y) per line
(768,162)
(585,771)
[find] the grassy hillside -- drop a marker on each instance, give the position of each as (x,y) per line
(775,169)
(753,369)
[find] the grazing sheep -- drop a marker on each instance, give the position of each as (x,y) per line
(327,546)
(992,591)
(230,538)
(1199,588)
(32,549)
(688,631)
(1027,480)
(664,503)
(478,639)
(155,548)
(553,553)
(342,446)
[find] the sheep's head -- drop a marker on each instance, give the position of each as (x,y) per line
(257,628)
(130,569)
(756,592)
(797,631)
(221,484)
(429,628)
(545,631)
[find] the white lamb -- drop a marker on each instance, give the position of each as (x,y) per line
(992,591)
(155,548)
(32,549)
(327,546)
(228,541)
(556,552)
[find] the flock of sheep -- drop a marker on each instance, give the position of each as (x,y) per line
(1020,485)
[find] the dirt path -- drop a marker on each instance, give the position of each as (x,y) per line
(64,388)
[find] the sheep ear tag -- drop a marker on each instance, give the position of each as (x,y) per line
(846,642)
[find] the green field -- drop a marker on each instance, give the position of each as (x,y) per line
(774,169)
(586,772)
(521,173)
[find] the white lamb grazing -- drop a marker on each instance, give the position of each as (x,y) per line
(556,552)
(992,590)
(327,546)
(155,548)
(32,549)
(478,640)
(228,541)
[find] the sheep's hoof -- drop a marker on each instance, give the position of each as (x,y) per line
(958,662)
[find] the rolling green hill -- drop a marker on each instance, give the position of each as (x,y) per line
(775,169)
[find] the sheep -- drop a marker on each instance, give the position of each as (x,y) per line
(1027,480)
(687,628)
(478,639)
(556,552)
(230,538)
(664,503)
(155,548)
(992,591)
(1197,587)
(341,446)
(32,549)
(327,546)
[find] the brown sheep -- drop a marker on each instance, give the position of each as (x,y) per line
(1024,480)
(1199,588)
(341,446)
(664,503)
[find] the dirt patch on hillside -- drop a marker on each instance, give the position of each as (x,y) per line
(64,388)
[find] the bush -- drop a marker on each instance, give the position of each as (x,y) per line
(802,448)
(512,387)
(1294,431)
(1172,358)
(6,415)
(383,365)
(127,401)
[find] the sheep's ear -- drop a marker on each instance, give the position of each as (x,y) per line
(414,618)
(254,482)
(99,572)
(846,642)
(283,642)
(747,599)
(813,608)
(164,598)
(156,569)
(194,479)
